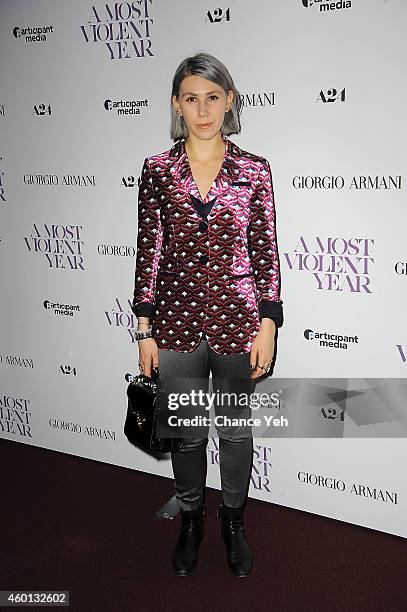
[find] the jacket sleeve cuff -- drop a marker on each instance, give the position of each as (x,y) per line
(271,310)
(144,309)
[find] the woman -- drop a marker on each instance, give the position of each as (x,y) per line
(207,289)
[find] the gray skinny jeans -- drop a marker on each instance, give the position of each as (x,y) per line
(177,371)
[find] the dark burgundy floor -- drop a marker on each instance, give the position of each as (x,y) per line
(75,524)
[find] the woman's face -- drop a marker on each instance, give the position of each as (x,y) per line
(202,104)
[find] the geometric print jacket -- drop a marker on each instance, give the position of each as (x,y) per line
(206,267)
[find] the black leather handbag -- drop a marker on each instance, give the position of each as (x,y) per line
(140,423)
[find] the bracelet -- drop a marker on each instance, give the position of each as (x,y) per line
(142,334)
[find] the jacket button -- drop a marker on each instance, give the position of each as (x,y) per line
(203,226)
(203,259)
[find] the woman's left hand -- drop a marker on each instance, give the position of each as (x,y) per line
(262,350)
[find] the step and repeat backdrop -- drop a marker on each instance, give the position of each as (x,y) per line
(84,98)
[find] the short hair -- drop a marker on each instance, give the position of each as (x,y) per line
(208,67)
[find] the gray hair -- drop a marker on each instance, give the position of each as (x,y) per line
(210,68)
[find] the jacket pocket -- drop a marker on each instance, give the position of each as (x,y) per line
(242,275)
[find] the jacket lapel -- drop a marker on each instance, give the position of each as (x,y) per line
(182,175)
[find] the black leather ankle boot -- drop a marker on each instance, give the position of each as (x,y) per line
(185,554)
(239,554)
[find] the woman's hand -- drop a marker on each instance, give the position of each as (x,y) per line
(148,356)
(262,350)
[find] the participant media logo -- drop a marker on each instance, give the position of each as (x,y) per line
(330,340)
(66,310)
(125,107)
(33,34)
(327,5)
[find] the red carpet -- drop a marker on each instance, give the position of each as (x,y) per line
(88,527)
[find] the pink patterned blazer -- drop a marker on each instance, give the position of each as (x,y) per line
(206,267)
